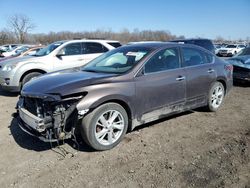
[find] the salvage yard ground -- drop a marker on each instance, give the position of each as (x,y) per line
(194,149)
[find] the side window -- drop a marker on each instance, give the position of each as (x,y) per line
(71,49)
(166,59)
(210,58)
(193,57)
(92,48)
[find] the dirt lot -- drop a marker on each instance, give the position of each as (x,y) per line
(194,149)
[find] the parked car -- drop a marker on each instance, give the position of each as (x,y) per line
(122,89)
(205,43)
(1,53)
(241,67)
(9,47)
(16,50)
(24,52)
(245,51)
(231,50)
(217,47)
(14,73)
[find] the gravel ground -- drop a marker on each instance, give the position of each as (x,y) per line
(193,149)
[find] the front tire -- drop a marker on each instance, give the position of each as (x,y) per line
(105,126)
(29,77)
(215,96)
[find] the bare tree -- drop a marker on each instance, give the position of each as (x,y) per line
(20,24)
(6,37)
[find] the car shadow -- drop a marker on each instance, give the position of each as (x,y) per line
(241,84)
(29,142)
(163,119)
(8,94)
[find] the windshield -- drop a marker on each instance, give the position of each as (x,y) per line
(47,50)
(117,61)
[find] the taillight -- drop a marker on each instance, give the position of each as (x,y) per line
(229,68)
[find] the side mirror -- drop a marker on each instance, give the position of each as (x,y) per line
(60,54)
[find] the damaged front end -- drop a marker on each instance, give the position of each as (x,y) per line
(49,117)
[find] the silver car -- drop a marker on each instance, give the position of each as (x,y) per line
(14,73)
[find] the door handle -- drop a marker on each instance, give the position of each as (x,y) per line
(81,59)
(180,78)
(210,70)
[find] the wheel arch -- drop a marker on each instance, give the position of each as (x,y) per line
(223,83)
(31,71)
(113,99)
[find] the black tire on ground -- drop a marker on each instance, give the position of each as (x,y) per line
(212,107)
(29,76)
(89,127)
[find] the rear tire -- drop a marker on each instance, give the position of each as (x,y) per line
(105,126)
(215,96)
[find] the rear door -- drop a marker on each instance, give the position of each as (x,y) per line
(91,50)
(161,88)
(69,56)
(200,74)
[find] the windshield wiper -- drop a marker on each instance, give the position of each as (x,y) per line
(89,70)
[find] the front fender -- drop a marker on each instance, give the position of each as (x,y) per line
(97,95)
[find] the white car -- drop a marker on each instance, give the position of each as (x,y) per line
(15,72)
(7,47)
(15,50)
(231,49)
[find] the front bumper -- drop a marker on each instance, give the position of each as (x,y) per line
(225,54)
(29,130)
(11,87)
(32,124)
(47,118)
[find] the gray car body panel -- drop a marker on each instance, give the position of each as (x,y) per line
(147,96)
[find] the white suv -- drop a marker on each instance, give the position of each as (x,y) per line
(14,73)
(230,50)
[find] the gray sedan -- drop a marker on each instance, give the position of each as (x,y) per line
(122,89)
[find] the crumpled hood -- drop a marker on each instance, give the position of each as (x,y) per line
(240,61)
(243,58)
(64,82)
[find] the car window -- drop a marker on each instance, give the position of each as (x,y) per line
(115,44)
(119,60)
(47,50)
(193,57)
(209,58)
(241,46)
(92,47)
(71,49)
(163,60)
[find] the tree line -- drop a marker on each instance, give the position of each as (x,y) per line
(123,36)
(20,26)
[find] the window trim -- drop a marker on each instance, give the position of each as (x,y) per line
(68,45)
(183,61)
(142,69)
(104,48)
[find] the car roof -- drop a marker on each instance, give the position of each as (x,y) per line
(89,40)
(194,39)
(157,45)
